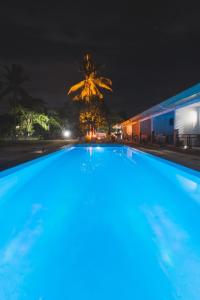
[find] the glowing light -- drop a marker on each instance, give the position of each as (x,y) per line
(90,135)
(192,117)
(100,135)
(67,133)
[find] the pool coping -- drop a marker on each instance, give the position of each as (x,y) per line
(167,161)
(22,165)
(13,169)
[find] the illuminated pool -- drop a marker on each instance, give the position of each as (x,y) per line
(99,223)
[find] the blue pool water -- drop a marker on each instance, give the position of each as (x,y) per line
(99,223)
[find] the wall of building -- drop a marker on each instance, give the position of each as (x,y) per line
(127,131)
(136,131)
(164,124)
(145,130)
(163,128)
(187,119)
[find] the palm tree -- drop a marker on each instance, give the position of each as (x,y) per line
(35,104)
(11,81)
(88,89)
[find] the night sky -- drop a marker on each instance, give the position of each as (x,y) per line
(150,50)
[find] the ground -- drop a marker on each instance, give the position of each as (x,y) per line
(12,155)
(190,159)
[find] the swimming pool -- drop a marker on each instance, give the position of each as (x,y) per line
(95,222)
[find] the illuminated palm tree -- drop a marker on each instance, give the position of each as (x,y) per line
(88,89)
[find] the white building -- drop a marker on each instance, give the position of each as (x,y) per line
(173,121)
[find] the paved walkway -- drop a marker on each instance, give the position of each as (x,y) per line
(12,155)
(189,160)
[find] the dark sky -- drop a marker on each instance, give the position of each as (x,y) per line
(151,50)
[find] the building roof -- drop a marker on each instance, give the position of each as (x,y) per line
(187,97)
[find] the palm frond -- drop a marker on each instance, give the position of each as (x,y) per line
(77,98)
(102,83)
(95,92)
(76,87)
(106,80)
(89,87)
(6,68)
(23,93)
(5,92)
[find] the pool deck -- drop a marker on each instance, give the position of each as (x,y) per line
(12,155)
(190,158)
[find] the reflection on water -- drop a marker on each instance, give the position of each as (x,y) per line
(191,186)
(178,259)
(14,262)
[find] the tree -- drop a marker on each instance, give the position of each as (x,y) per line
(6,125)
(89,93)
(26,120)
(91,119)
(11,84)
(112,117)
(69,114)
(35,104)
(56,124)
(88,89)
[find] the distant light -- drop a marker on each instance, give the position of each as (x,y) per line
(193,117)
(90,135)
(185,147)
(67,133)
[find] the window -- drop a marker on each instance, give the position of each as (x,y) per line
(171,121)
